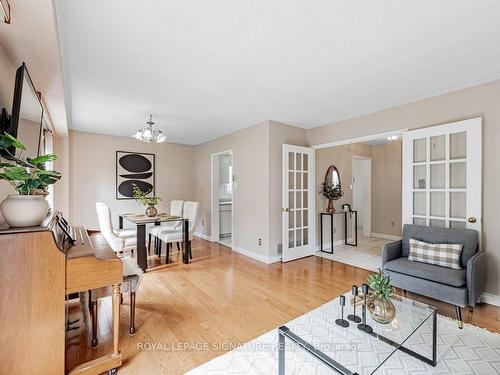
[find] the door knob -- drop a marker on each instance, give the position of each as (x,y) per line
(286,210)
(472,219)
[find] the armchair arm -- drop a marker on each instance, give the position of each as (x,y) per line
(476,277)
(392,251)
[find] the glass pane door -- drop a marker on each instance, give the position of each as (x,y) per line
(297,202)
(442,174)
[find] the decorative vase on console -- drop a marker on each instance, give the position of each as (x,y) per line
(30,178)
(151,202)
(379,303)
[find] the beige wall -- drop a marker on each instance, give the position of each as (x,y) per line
(341,157)
(92,174)
(250,148)
(483,101)
(386,188)
(279,134)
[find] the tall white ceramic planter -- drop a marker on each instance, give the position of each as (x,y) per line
(24,210)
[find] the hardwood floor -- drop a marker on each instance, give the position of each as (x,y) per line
(223,298)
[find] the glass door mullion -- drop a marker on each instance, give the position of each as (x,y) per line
(447,181)
(427,180)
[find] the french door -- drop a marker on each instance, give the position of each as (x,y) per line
(298,202)
(442,171)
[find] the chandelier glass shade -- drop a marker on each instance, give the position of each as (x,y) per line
(150,135)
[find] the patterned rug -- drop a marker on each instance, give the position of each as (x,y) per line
(471,350)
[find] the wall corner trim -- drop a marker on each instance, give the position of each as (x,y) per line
(490,299)
(254,255)
(203,236)
(386,236)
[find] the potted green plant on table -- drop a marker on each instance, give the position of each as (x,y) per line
(379,304)
(30,178)
(151,202)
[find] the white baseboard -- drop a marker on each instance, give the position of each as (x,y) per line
(203,236)
(328,245)
(257,256)
(386,236)
(490,299)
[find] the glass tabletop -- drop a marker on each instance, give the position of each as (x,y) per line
(357,351)
(137,218)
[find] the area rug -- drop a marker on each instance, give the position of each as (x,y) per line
(470,350)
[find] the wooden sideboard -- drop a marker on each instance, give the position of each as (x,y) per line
(39,266)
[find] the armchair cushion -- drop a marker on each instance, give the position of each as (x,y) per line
(443,275)
(467,237)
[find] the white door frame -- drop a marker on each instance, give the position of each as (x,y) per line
(214,197)
(367,193)
(310,248)
(474,168)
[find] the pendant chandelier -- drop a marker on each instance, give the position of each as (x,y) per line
(150,135)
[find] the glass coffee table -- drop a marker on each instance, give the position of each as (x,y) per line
(353,351)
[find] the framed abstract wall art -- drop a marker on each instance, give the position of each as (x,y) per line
(134,168)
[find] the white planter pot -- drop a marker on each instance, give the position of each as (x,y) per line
(24,210)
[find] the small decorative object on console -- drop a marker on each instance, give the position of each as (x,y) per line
(380,306)
(342,322)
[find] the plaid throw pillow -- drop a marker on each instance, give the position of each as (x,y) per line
(440,254)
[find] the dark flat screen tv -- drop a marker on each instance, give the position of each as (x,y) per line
(27,114)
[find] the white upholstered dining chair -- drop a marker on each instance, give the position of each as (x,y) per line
(190,212)
(176,207)
(119,241)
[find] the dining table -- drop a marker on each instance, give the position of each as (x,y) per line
(141,220)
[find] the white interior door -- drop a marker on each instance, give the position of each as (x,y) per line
(442,170)
(298,202)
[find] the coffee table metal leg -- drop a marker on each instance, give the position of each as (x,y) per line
(281,353)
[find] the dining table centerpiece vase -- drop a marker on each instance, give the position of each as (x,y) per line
(150,202)
(379,303)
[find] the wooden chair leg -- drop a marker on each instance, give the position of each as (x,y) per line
(168,253)
(131,328)
(121,298)
(149,242)
(178,246)
(458,311)
(189,250)
(93,312)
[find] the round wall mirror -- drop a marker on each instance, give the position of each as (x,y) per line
(332,177)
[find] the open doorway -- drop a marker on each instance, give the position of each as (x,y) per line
(222,198)
(371,171)
(362,193)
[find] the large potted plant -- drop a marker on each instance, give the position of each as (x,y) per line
(30,178)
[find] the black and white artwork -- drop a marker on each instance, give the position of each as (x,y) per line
(133,168)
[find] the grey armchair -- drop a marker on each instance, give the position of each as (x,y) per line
(457,287)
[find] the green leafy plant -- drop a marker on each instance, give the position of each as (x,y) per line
(142,197)
(381,284)
(27,176)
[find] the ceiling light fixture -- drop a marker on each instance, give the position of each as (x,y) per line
(150,135)
(392,137)
(4,4)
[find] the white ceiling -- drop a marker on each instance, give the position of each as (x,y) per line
(204,68)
